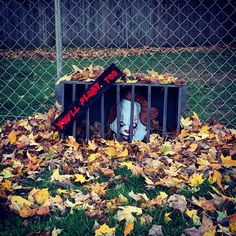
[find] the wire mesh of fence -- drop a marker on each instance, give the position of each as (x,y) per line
(193,40)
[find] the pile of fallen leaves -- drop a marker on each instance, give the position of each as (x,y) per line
(90,73)
(202,154)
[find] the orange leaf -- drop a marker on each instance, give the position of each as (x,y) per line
(6,185)
(193,147)
(232,225)
(43,210)
(217,175)
(108,172)
(228,161)
(26,211)
(12,136)
(128,228)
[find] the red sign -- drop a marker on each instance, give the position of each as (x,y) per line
(102,83)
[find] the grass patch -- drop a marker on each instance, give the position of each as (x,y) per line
(72,224)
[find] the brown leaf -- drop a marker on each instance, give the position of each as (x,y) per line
(193,231)
(156,230)
(178,202)
(43,210)
(207,225)
(107,172)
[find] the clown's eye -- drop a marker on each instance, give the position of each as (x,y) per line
(122,124)
(135,125)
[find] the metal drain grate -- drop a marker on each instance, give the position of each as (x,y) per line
(169,100)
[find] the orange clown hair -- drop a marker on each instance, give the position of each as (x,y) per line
(144,109)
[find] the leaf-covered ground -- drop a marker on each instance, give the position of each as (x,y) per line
(50,53)
(179,186)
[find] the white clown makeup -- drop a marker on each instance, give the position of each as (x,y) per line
(139,130)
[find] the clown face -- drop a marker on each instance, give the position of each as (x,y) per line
(139,130)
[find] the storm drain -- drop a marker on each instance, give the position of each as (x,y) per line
(161,109)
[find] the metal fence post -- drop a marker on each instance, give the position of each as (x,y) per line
(59,50)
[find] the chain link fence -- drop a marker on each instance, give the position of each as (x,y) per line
(193,40)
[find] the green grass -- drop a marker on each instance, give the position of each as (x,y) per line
(27,85)
(72,224)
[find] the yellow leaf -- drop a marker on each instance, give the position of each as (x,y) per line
(94,156)
(12,136)
(139,196)
(41,196)
(154,138)
(128,164)
(195,116)
(227,161)
(111,152)
(59,191)
(185,122)
(92,145)
(193,215)
(57,177)
(204,129)
(65,77)
(99,189)
(163,195)
(167,149)
(153,73)
(57,199)
(127,72)
(148,181)
(17,202)
(115,202)
(76,68)
(167,217)
(119,81)
(56,231)
(222,195)
(126,213)
(104,230)
(122,199)
(131,81)
(184,133)
(124,153)
(6,173)
(202,162)
(71,142)
(80,178)
(211,232)
(196,179)
(128,228)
